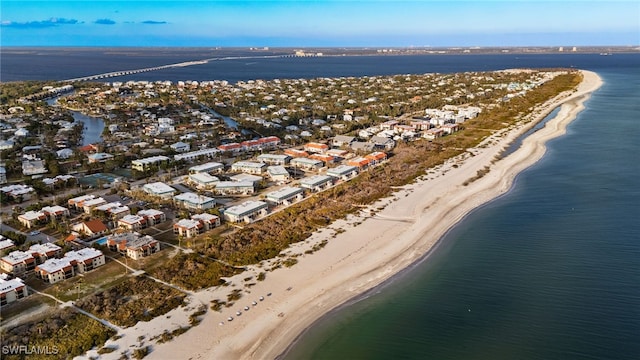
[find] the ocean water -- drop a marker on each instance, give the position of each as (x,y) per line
(550,270)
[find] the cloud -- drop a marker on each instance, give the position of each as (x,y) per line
(52,22)
(104,22)
(152,22)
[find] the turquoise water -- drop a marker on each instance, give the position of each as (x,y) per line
(550,270)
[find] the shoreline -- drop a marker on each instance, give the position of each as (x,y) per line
(408,225)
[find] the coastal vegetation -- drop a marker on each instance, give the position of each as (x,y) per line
(64,333)
(138,299)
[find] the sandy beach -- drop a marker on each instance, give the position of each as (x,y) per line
(362,251)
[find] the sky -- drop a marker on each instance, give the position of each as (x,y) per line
(307,23)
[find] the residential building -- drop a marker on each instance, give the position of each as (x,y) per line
(317,182)
(450,128)
(18,262)
(198,224)
(132,222)
(313,147)
(42,252)
(188,228)
(114,210)
(33,167)
(78,202)
(249,167)
(153,216)
(235,188)
(210,221)
(18,191)
(376,157)
(306,164)
(325,158)
(278,173)
(56,212)
(3,175)
(342,140)
(91,228)
(338,153)
(360,146)
(255,179)
(433,134)
(382,142)
(64,154)
(180,147)
(133,245)
(274,159)
(73,262)
(197,154)
(194,201)
(11,290)
(285,196)
(89,205)
(159,189)
(296,153)
(248,211)
(99,157)
(5,244)
(203,180)
(359,162)
(146,163)
(231,147)
(210,167)
(32,218)
(343,172)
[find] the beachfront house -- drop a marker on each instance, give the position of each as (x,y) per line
(248,211)
(285,196)
(343,172)
(317,183)
(198,224)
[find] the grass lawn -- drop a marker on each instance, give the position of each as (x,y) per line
(101,278)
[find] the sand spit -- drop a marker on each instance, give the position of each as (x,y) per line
(363,251)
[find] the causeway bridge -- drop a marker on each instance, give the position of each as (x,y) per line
(182,64)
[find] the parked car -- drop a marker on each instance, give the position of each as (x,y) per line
(34,233)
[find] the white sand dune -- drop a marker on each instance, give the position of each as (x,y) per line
(365,251)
